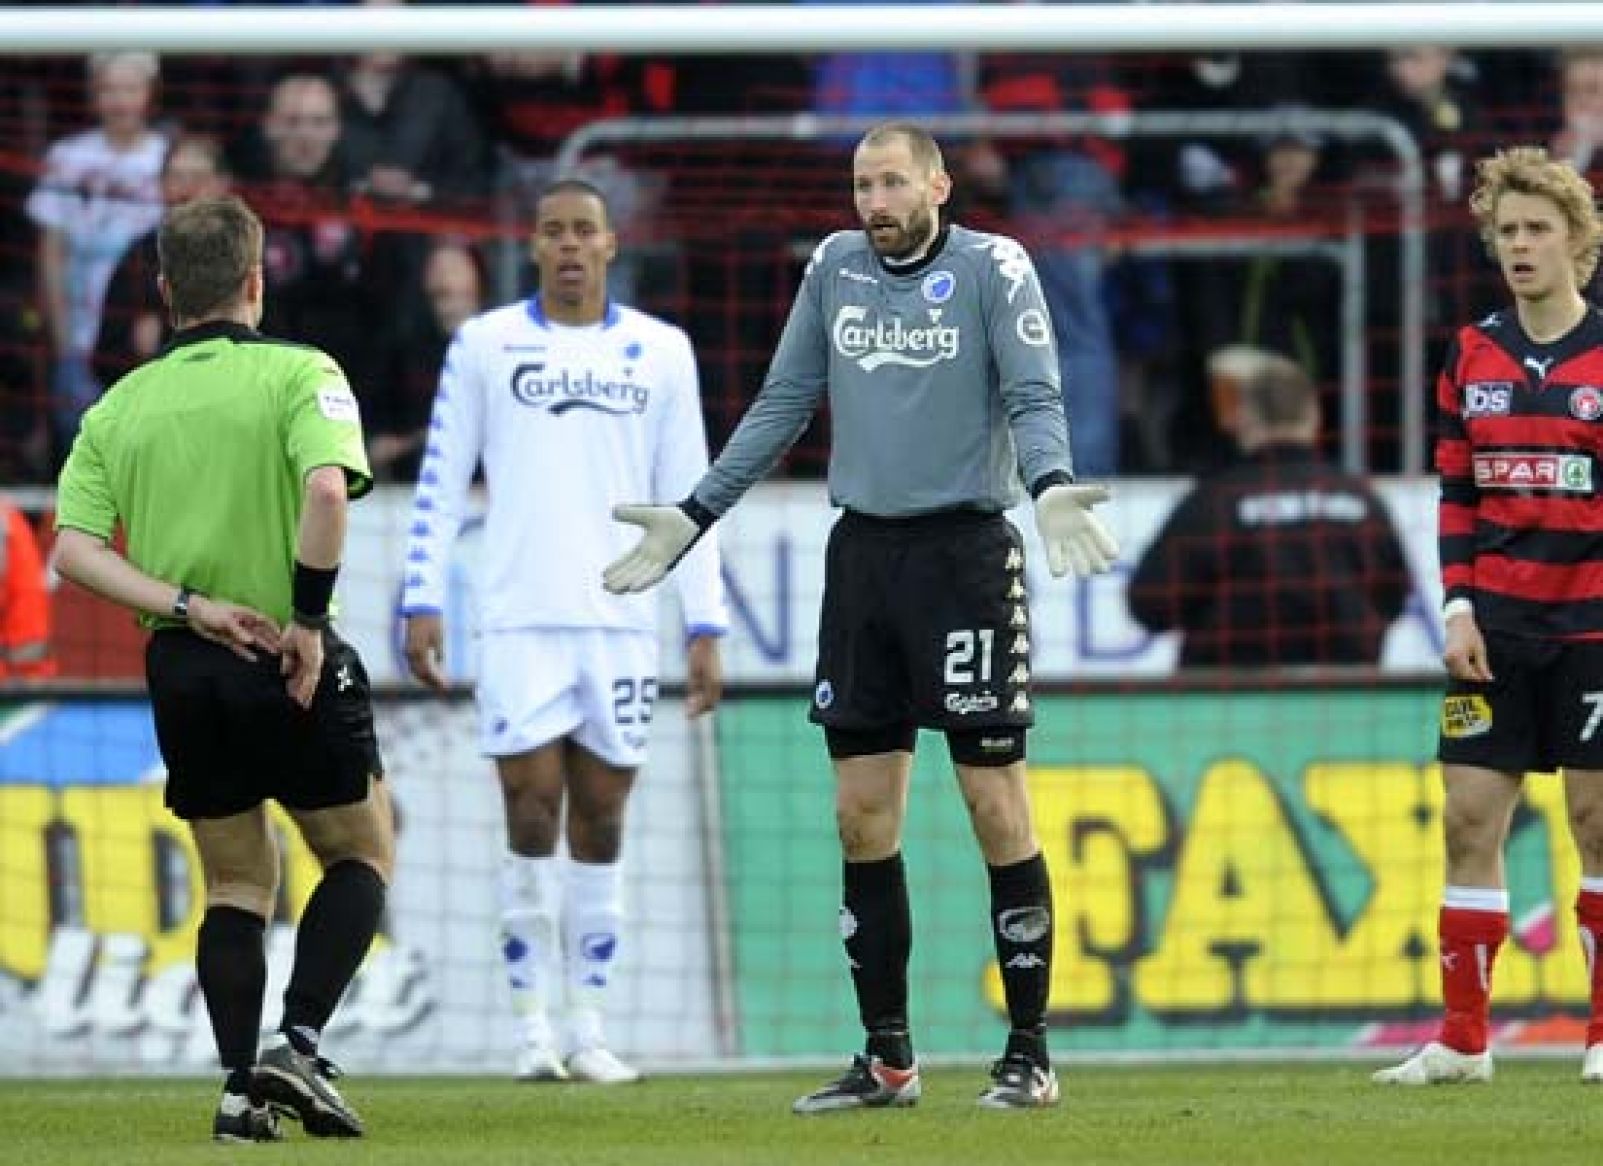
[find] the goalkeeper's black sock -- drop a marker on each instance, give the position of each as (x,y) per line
(231,965)
(334,935)
(1021,925)
(877,926)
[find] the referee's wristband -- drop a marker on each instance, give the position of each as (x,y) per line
(311,593)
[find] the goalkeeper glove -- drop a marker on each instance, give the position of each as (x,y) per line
(670,531)
(1073,536)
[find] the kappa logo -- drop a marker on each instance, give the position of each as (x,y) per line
(1015,559)
(1466,715)
(342,678)
(1016,591)
(1026,960)
(1568,473)
(848,922)
(1020,645)
(1020,617)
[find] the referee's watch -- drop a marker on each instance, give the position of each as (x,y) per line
(181,604)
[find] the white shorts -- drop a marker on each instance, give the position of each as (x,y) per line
(594,685)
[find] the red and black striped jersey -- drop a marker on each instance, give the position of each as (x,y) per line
(1520,453)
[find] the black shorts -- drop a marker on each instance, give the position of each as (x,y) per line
(232,738)
(925,622)
(1543,712)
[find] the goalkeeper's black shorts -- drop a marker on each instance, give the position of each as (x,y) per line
(232,738)
(925,623)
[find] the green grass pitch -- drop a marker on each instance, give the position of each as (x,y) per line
(1237,1115)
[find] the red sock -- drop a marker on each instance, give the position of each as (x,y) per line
(1469,943)
(1589,914)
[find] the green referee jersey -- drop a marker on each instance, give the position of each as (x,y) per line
(200,456)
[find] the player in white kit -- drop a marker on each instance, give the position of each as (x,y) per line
(573,404)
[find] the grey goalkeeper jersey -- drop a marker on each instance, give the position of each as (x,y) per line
(943,380)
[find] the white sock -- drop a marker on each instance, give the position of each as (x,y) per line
(530,901)
(592,917)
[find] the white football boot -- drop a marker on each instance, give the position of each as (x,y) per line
(598,1066)
(1436,1064)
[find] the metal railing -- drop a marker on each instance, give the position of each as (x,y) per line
(1346,126)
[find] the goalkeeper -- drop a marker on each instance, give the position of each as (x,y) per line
(935,347)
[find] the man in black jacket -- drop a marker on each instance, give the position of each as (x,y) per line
(1280,559)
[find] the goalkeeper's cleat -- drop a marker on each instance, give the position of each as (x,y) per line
(238,1120)
(868,1084)
(599,1067)
(1436,1064)
(538,1061)
(302,1087)
(1592,1066)
(1019,1083)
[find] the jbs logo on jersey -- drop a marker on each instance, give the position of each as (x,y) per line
(560,390)
(873,343)
(1570,473)
(1487,398)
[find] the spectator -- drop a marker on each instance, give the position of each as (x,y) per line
(396,412)
(1579,140)
(1283,303)
(1059,195)
(410,135)
(1281,560)
(24,601)
(134,321)
(532,101)
(97,193)
(315,259)
(1430,89)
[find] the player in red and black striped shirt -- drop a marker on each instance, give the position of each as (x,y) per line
(1520,454)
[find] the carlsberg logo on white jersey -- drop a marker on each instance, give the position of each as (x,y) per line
(872,345)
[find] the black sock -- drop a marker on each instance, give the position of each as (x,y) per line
(1021,925)
(335,933)
(231,965)
(877,926)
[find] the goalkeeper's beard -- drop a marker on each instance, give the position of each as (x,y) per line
(909,237)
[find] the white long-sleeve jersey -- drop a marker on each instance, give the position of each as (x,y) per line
(568,421)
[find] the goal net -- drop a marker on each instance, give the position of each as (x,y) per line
(1243,864)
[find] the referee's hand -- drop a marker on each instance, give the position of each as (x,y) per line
(302,662)
(669,533)
(1074,537)
(242,630)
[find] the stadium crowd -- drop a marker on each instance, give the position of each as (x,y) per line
(396,192)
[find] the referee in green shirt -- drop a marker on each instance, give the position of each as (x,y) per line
(227,463)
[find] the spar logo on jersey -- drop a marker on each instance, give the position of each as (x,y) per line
(1488,398)
(562,390)
(1586,403)
(1566,473)
(870,343)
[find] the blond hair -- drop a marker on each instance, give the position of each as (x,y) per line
(1529,170)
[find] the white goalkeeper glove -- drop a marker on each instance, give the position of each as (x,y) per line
(1074,537)
(669,533)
